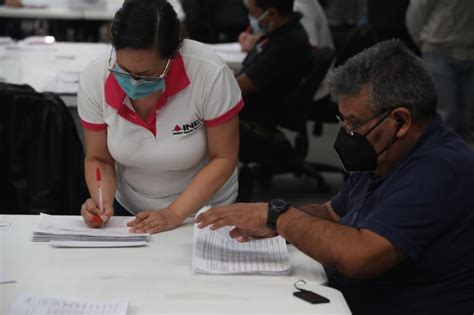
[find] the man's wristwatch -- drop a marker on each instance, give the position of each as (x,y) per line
(276,207)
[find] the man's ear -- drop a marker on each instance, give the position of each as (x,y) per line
(402,120)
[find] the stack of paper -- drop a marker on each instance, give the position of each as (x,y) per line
(231,53)
(73,229)
(67,79)
(31,304)
(215,252)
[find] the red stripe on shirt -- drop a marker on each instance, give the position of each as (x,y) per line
(226,116)
(93,127)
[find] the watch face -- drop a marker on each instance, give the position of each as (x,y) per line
(279,204)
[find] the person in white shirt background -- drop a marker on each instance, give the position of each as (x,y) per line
(160,122)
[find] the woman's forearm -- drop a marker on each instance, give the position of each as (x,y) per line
(204,185)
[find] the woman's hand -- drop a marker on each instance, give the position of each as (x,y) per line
(91,213)
(155,221)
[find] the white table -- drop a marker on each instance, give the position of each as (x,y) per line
(41,13)
(40,67)
(156,278)
(65,10)
(107,14)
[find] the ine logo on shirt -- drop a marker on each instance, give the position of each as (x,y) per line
(187,128)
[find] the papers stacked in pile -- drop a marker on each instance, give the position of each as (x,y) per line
(66,80)
(215,252)
(71,231)
(231,53)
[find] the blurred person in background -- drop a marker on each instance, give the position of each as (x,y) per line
(444,31)
(313,20)
(275,65)
(343,16)
(273,68)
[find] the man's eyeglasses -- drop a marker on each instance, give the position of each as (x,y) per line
(351,130)
(123,73)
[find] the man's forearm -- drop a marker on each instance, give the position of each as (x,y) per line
(328,242)
(317,210)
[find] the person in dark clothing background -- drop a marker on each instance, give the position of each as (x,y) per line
(271,70)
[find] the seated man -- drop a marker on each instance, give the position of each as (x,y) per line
(398,237)
(313,20)
(272,69)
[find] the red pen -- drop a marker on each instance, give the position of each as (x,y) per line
(98,178)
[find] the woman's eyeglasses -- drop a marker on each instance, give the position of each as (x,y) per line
(116,70)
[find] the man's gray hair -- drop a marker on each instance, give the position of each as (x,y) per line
(396,77)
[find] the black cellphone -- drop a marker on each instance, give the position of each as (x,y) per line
(311,297)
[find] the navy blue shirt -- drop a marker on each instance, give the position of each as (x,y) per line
(425,207)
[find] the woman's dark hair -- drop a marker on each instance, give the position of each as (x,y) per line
(147,24)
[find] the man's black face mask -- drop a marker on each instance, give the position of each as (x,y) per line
(356,153)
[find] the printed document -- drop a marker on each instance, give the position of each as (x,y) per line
(30,304)
(215,252)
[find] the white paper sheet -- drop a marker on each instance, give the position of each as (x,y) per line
(5,225)
(231,53)
(215,252)
(31,304)
(5,279)
(86,244)
(73,228)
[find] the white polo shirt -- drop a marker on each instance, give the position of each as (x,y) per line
(157,159)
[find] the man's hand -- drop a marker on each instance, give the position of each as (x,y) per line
(155,221)
(247,41)
(243,235)
(91,213)
(249,219)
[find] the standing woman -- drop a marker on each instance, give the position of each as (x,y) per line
(160,122)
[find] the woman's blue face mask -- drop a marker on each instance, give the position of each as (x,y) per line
(137,87)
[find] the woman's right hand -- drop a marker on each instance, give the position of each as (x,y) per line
(91,213)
